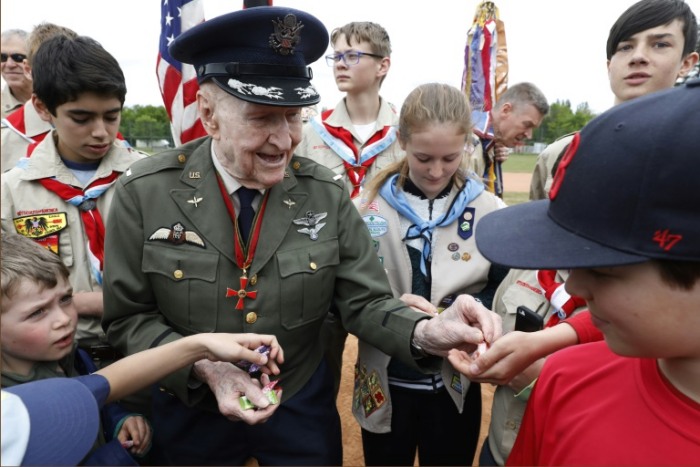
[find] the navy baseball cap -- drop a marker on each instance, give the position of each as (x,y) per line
(625,192)
(260,54)
(52,421)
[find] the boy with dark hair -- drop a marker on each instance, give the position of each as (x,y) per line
(623,217)
(649,47)
(59,196)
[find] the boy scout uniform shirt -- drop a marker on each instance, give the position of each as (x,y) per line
(14,142)
(9,102)
(315,148)
(457,267)
(161,287)
(542,178)
(519,288)
(25,199)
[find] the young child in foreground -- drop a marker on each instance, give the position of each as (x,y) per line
(39,323)
(623,216)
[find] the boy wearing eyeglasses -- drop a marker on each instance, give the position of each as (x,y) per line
(59,195)
(358,137)
(17,89)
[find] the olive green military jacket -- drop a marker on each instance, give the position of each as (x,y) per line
(164,284)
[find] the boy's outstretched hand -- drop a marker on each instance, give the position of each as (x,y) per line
(222,347)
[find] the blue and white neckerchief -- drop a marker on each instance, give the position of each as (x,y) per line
(421,228)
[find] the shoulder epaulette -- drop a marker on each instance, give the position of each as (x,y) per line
(171,159)
(305,167)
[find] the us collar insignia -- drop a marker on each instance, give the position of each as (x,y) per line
(311,221)
(177,235)
(287,34)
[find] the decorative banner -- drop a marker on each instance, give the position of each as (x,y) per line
(485,76)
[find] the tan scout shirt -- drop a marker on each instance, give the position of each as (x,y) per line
(542,178)
(9,102)
(457,267)
(23,198)
(15,143)
(519,288)
(313,146)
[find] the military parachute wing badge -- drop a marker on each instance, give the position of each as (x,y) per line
(311,221)
(177,235)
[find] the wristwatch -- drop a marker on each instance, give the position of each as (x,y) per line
(417,351)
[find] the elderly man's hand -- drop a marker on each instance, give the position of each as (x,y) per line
(229,383)
(462,326)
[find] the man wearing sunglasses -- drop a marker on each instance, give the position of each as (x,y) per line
(18,88)
(358,137)
(23,127)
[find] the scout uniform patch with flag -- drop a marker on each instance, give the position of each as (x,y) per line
(42,228)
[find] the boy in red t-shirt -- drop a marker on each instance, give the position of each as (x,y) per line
(623,217)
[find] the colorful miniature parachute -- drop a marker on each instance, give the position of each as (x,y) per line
(485,79)
(485,75)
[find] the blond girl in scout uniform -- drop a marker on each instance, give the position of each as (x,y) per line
(421,213)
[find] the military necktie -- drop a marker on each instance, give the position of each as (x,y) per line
(247,213)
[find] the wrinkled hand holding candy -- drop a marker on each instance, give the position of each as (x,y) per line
(268,390)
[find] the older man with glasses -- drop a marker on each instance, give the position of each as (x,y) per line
(18,87)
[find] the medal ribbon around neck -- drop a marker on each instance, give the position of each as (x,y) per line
(244,254)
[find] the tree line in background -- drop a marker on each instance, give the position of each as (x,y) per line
(148,126)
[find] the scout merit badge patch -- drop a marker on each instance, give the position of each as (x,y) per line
(42,228)
(465,226)
(377,225)
(368,391)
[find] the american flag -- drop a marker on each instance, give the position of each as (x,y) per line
(178,81)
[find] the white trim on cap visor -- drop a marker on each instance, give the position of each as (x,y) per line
(14,430)
(269,91)
(272,92)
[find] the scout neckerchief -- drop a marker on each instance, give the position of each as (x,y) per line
(15,122)
(493,175)
(84,200)
(342,143)
(563,303)
(420,227)
(244,253)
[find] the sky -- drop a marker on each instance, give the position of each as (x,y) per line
(559,45)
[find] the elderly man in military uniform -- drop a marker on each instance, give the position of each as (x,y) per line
(233,233)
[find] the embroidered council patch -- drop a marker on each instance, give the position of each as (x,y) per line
(41,225)
(376,225)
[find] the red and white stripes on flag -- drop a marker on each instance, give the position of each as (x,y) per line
(178,81)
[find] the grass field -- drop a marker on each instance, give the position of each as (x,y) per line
(520,163)
(515,198)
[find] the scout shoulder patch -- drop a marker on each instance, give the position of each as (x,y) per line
(41,225)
